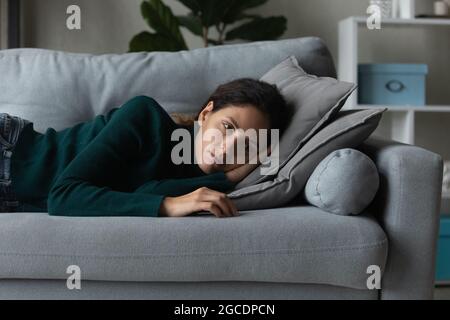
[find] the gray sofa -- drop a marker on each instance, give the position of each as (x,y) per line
(293,252)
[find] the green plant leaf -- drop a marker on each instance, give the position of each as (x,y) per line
(259,29)
(237,7)
(146,41)
(161,19)
(247,4)
(192,23)
(211,12)
(248,16)
(191,4)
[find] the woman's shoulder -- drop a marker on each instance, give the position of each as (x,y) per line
(143,104)
(142,109)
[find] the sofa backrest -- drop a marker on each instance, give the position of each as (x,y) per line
(59,89)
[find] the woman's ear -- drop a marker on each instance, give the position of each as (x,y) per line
(204,114)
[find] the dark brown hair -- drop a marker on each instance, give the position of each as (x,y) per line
(245,92)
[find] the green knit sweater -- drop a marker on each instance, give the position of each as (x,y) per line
(118,164)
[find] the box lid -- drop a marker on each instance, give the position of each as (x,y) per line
(410,68)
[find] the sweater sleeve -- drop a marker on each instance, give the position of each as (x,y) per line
(83,188)
(177,187)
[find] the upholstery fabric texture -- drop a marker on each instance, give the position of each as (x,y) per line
(348,130)
(59,89)
(266,245)
(343,183)
(312,101)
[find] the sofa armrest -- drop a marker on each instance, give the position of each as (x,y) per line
(407,207)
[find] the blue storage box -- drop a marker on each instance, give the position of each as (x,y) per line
(392,84)
(443,251)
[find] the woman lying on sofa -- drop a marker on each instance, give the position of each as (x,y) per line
(121,163)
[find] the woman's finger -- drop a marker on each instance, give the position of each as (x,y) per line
(218,199)
(221,200)
(211,207)
(235,210)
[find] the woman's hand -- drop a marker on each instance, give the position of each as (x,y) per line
(202,199)
(239,173)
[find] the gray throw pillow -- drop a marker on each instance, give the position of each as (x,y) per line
(348,130)
(312,101)
(343,183)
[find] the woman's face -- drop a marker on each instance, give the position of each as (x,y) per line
(225,124)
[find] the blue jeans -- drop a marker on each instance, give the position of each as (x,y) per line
(10,128)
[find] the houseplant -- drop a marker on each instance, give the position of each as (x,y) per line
(229,19)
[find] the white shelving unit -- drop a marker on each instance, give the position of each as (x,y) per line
(402,117)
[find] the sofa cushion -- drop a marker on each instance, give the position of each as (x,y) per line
(312,101)
(344,183)
(296,244)
(59,89)
(348,130)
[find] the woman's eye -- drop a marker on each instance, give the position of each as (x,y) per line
(227,125)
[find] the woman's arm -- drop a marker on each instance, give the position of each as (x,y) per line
(176,187)
(190,195)
(79,198)
(83,188)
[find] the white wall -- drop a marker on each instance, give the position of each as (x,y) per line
(108,25)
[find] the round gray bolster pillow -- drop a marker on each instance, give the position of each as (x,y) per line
(343,183)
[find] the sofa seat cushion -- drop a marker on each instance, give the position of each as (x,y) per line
(298,244)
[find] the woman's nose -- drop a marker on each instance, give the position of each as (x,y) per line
(225,148)
(236,148)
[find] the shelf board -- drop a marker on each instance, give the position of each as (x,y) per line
(429,108)
(398,21)
(402,118)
